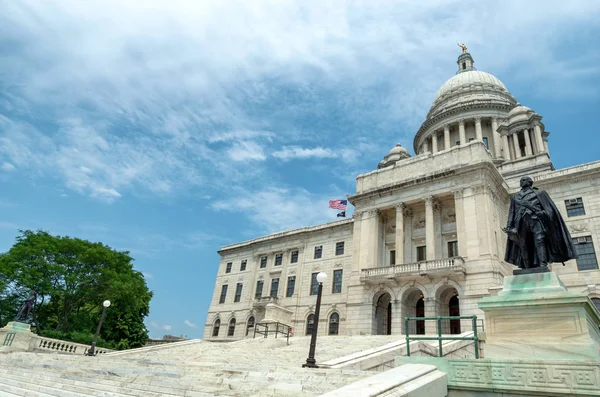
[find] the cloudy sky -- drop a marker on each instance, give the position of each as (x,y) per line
(170,128)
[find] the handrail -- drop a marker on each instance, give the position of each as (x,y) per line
(287,330)
(439,336)
(407,268)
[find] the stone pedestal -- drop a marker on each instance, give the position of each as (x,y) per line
(535,317)
(16,336)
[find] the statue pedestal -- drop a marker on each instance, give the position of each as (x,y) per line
(535,317)
(16,336)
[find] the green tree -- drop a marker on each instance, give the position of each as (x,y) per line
(72,278)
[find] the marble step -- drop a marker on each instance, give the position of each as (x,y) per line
(9,390)
(56,390)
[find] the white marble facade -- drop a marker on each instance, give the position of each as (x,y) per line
(425,238)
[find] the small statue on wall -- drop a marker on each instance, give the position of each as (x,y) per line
(537,233)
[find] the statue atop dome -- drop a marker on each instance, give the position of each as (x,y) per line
(463,47)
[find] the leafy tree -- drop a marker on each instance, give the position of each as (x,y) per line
(72,278)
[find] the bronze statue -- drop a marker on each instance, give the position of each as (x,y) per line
(537,233)
(26,308)
(463,47)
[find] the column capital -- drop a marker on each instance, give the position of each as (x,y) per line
(446,127)
(458,194)
(494,119)
(477,119)
(400,207)
(407,212)
(429,200)
(372,212)
(461,122)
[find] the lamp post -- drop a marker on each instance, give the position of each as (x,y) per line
(310,361)
(92,350)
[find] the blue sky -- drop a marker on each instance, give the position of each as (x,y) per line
(171,128)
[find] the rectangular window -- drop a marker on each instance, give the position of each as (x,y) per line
(318,251)
(575,207)
(294,257)
(263,261)
(238,292)
(586,255)
(223,293)
(452,249)
(243,265)
(228,268)
(337,281)
(392,257)
(314,284)
(339,248)
(274,287)
(278,259)
(259,288)
(290,286)
(485,142)
(421,253)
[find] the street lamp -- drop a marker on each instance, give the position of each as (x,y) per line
(91,350)
(310,361)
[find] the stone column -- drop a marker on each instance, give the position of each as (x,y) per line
(528,151)
(496,136)
(400,234)
(429,229)
(461,131)
(506,147)
(460,223)
(425,146)
(478,132)
(539,141)
(447,137)
(408,254)
(516,146)
(434,142)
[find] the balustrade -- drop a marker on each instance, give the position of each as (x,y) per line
(451,265)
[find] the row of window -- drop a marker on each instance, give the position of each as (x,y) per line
(334,325)
(574,207)
(586,255)
(278,261)
(336,287)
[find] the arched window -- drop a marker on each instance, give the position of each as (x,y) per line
(596,302)
(310,324)
(216,327)
(231,330)
(249,325)
(334,324)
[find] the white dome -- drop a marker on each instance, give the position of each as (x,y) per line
(469,80)
(396,154)
(470,86)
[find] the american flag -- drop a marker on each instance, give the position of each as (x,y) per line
(338,204)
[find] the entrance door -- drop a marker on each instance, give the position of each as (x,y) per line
(383,315)
(420,312)
(454,310)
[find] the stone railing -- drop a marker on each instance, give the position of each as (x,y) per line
(49,345)
(262,301)
(447,266)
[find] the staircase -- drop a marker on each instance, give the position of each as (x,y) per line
(196,368)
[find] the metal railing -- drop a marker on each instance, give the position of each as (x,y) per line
(439,336)
(275,328)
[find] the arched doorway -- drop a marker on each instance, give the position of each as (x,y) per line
(383,314)
(454,310)
(420,312)
(249,325)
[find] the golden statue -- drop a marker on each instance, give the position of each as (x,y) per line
(463,47)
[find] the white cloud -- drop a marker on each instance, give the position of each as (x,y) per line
(147,275)
(190,324)
(277,209)
(296,152)
(179,96)
(245,151)
(165,327)
(7,167)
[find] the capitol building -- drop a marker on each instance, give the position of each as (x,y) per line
(426,235)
